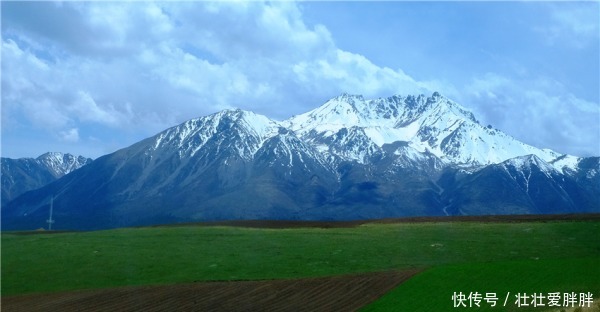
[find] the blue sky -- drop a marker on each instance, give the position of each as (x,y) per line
(92,77)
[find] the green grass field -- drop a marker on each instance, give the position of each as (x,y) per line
(432,290)
(459,256)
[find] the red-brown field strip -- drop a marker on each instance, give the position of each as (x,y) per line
(336,293)
(285,224)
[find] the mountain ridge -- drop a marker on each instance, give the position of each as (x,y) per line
(24,174)
(348,159)
(434,124)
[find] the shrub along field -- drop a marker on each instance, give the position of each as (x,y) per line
(548,256)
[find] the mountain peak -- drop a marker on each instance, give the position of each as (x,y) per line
(192,136)
(57,156)
(430,123)
(234,113)
(61,157)
(436,100)
(52,154)
(350,98)
(59,164)
(261,125)
(351,158)
(393,112)
(525,162)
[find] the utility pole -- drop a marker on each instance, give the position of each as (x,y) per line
(50,221)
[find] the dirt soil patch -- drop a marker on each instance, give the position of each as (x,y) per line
(284,224)
(294,224)
(337,293)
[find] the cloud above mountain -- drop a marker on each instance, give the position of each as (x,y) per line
(90,77)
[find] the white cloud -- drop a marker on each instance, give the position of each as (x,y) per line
(45,114)
(85,108)
(575,24)
(70,135)
(354,73)
(188,59)
(142,67)
(538,111)
(250,31)
(46,93)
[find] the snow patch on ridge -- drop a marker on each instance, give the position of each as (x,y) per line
(349,127)
(61,164)
(431,124)
(191,136)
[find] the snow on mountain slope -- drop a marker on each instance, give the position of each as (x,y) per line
(432,124)
(408,157)
(566,163)
(227,139)
(191,136)
(286,150)
(525,164)
(26,174)
(60,164)
(351,128)
(348,159)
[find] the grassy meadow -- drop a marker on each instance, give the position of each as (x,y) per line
(432,290)
(457,256)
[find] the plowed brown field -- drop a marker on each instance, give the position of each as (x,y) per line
(337,293)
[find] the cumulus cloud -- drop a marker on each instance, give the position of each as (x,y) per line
(116,63)
(85,108)
(47,93)
(70,136)
(247,31)
(538,111)
(576,25)
(349,71)
(103,68)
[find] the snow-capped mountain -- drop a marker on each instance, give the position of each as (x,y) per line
(434,124)
(350,158)
(25,174)
(191,136)
(526,184)
(59,164)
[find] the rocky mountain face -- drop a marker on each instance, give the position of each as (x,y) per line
(25,174)
(350,158)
